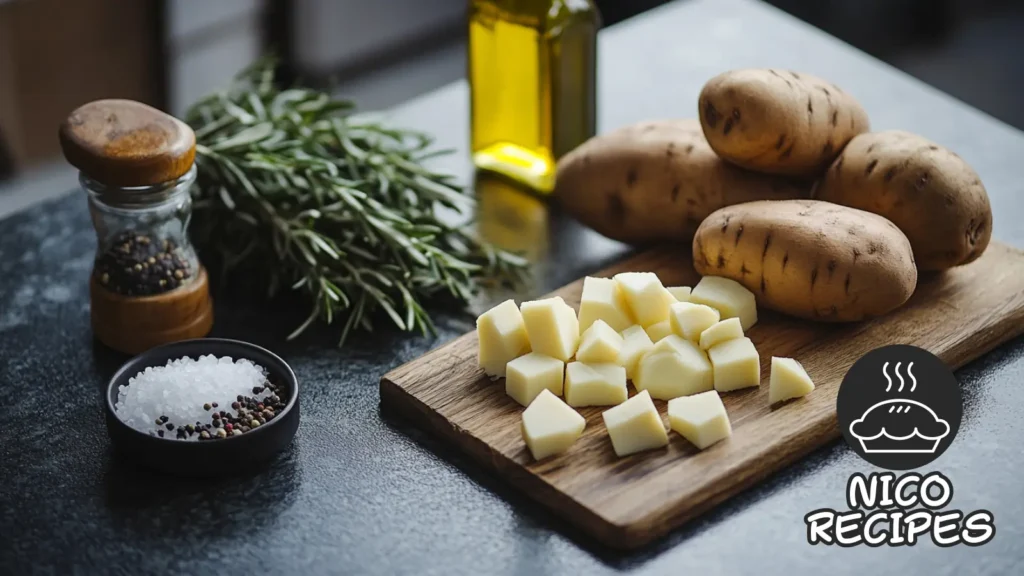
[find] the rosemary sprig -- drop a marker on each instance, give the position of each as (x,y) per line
(313,199)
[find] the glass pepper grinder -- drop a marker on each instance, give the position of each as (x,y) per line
(136,164)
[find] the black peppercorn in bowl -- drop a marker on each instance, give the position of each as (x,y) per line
(230,446)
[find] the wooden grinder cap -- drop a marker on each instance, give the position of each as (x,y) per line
(127,143)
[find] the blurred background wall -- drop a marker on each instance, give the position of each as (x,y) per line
(56,54)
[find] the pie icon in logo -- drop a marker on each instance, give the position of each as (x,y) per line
(890,418)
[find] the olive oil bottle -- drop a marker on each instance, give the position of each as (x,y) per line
(532,76)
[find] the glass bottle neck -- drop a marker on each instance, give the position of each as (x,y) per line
(138,197)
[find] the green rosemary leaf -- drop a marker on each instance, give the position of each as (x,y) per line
(248,137)
(314,104)
(236,111)
(211,126)
(337,293)
(385,303)
(280,104)
(256,105)
(319,244)
(356,317)
(359,252)
(306,253)
(313,315)
(225,197)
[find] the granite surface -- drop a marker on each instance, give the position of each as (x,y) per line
(362,493)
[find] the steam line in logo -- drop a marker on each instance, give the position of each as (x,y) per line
(913,380)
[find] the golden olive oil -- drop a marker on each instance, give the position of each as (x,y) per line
(532,76)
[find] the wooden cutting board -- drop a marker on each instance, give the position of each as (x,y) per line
(627,502)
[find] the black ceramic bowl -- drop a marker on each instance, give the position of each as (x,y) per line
(210,457)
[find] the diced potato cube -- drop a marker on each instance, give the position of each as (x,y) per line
(647,298)
(599,344)
(728,329)
(635,344)
(736,364)
(527,376)
(788,380)
(550,426)
(675,367)
(689,320)
(729,297)
(700,418)
(603,300)
(552,327)
(680,293)
(659,330)
(503,338)
(672,343)
(635,425)
(595,384)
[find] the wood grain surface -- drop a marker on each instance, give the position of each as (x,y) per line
(627,502)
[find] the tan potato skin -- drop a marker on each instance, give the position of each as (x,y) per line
(809,259)
(778,121)
(656,181)
(930,193)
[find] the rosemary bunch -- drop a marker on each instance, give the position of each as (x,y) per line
(343,210)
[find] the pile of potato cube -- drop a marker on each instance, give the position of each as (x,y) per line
(673,344)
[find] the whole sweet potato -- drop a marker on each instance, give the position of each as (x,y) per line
(656,181)
(778,121)
(810,259)
(930,193)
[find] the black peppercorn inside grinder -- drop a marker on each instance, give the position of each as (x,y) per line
(136,164)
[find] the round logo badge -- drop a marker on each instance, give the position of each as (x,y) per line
(899,407)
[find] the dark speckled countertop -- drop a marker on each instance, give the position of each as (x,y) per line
(360,492)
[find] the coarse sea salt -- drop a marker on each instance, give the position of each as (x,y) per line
(180,389)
